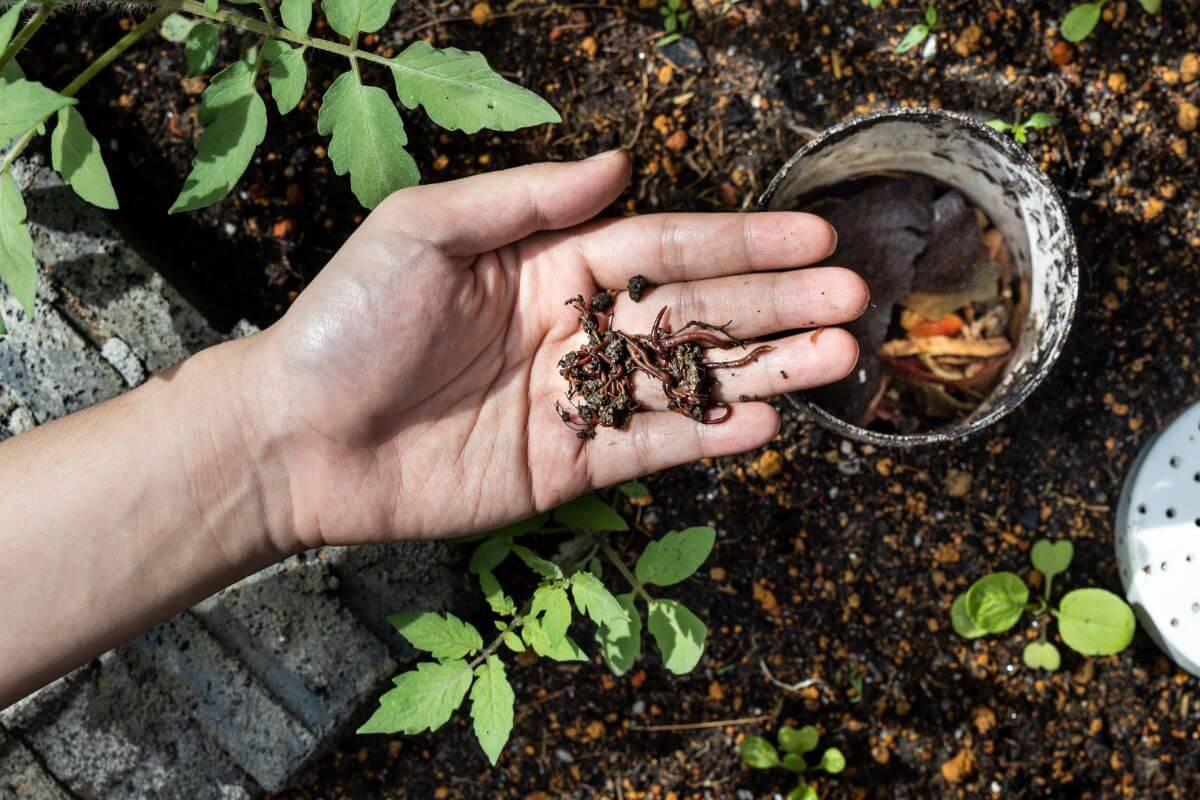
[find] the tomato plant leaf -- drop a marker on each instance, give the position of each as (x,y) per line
(542,566)
(174,28)
(296,15)
(445,637)
(675,556)
(490,554)
(289,74)
(679,634)
(995,602)
(1095,622)
(595,600)
(492,702)
(18,268)
(26,104)
(621,640)
(798,740)
(422,699)
(1081,21)
(367,141)
(914,37)
(1041,655)
(832,761)
(235,122)
(1051,558)
(201,47)
(590,513)
(349,17)
(961,621)
(75,153)
(551,603)
(758,753)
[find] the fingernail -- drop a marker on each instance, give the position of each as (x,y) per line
(604,155)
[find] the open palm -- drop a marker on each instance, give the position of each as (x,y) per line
(409,392)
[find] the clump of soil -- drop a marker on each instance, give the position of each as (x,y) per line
(945,311)
(600,374)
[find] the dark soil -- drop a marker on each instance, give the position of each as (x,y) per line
(835,561)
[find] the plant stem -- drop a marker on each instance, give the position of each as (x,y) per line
(107,57)
(629,577)
(25,34)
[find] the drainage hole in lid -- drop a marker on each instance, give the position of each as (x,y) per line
(1188,558)
(1163,566)
(1174,622)
(1195,607)
(1142,507)
(1196,477)
(1146,569)
(1170,513)
(1174,462)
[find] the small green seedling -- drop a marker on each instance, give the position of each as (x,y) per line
(675,21)
(1020,130)
(874,3)
(1083,18)
(1092,622)
(794,745)
(920,32)
(426,697)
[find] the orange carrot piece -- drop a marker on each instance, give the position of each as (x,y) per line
(946,326)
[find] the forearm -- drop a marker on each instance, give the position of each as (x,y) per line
(117,517)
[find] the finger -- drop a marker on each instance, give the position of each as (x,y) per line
(473,215)
(758,305)
(658,440)
(799,362)
(666,248)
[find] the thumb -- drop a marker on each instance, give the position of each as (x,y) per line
(473,215)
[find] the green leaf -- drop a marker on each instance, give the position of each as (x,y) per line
(551,604)
(513,642)
(8,23)
(1051,558)
(542,566)
(211,5)
(289,74)
(75,153)
(803,792)
(1043,119)
(675,557)
(678,633)
(201,49)
(961,621)
(531,525)
(490,554)
(459,91)
(798,740)
(794,762)
(564,650)
(442,637)
(621,640)
(174,28)
(18,268)
(296,15)
(497,600)
(634,490)
(492,702)
(367,139)
(1151,6)
(914,37)
(349,17)
(758,753)
(590,513)
(1095,622)
(1020,134)
(832,761)
(1081,21)
(931,15)
(595,600)
(423,698)
(995,602)
(235,123)
(1041,655)
(1000,125)
(26,104)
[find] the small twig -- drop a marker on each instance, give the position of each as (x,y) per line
(793,687)
(716,723)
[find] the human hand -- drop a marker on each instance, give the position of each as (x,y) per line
(409,392)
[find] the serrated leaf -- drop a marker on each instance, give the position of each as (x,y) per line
(367,141)
(995,602)
(490,554)
(550,603)
(1095,622)
(1051,558)
(758,753)
(442,637)
(679,634)
(1080,21)
(1041,655)
(497,600)
(459,91)
(18,268)
(832,761)
(296,15)
(799,740)
(75,153)
(26,104)
(203,41)
(175,28)
(235,122)
(590,513)
(564,650)
(542,566)
(289,74)
(595,600)
(349,17)
(492,702)
(914,37)
(422,699)
(963,625)
(675,557)
(621,640)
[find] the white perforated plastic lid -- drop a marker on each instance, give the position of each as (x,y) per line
(1158,539)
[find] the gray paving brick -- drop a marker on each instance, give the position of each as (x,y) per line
(114,731)
(288,624)
(22,777)
(226,701)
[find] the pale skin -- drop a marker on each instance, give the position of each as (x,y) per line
(407,394)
